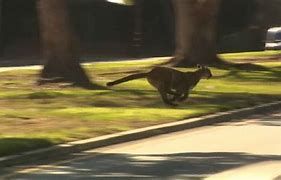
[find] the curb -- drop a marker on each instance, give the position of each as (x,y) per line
(63,150)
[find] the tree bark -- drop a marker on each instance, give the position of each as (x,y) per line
(138,29)
(1,29)
(195,32)
(59,44)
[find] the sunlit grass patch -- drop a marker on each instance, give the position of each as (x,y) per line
(250,55)
(51,114)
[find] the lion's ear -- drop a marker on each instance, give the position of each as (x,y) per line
(199,66)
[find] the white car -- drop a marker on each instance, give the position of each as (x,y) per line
(273,39)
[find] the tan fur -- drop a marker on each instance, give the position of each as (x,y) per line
(173,85)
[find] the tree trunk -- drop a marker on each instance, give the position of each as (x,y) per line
(1,29)
(195,32)
(138,31)
(59,44)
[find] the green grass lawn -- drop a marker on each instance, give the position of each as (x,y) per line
(264,55)
(33,117)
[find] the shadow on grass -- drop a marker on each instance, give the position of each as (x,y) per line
(269,118)
(124,72)
(241,66)
(193,165)
(151,99)
(226,97)
(140,92)
(12,146)
(272,75)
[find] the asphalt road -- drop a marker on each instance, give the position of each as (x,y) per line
(243,149)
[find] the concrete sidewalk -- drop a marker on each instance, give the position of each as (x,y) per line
(62,151)
(241,149)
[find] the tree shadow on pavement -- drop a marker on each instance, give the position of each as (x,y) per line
(195,165)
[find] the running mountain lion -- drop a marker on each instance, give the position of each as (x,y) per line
(173,85)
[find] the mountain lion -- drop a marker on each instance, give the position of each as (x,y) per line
(173,85)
